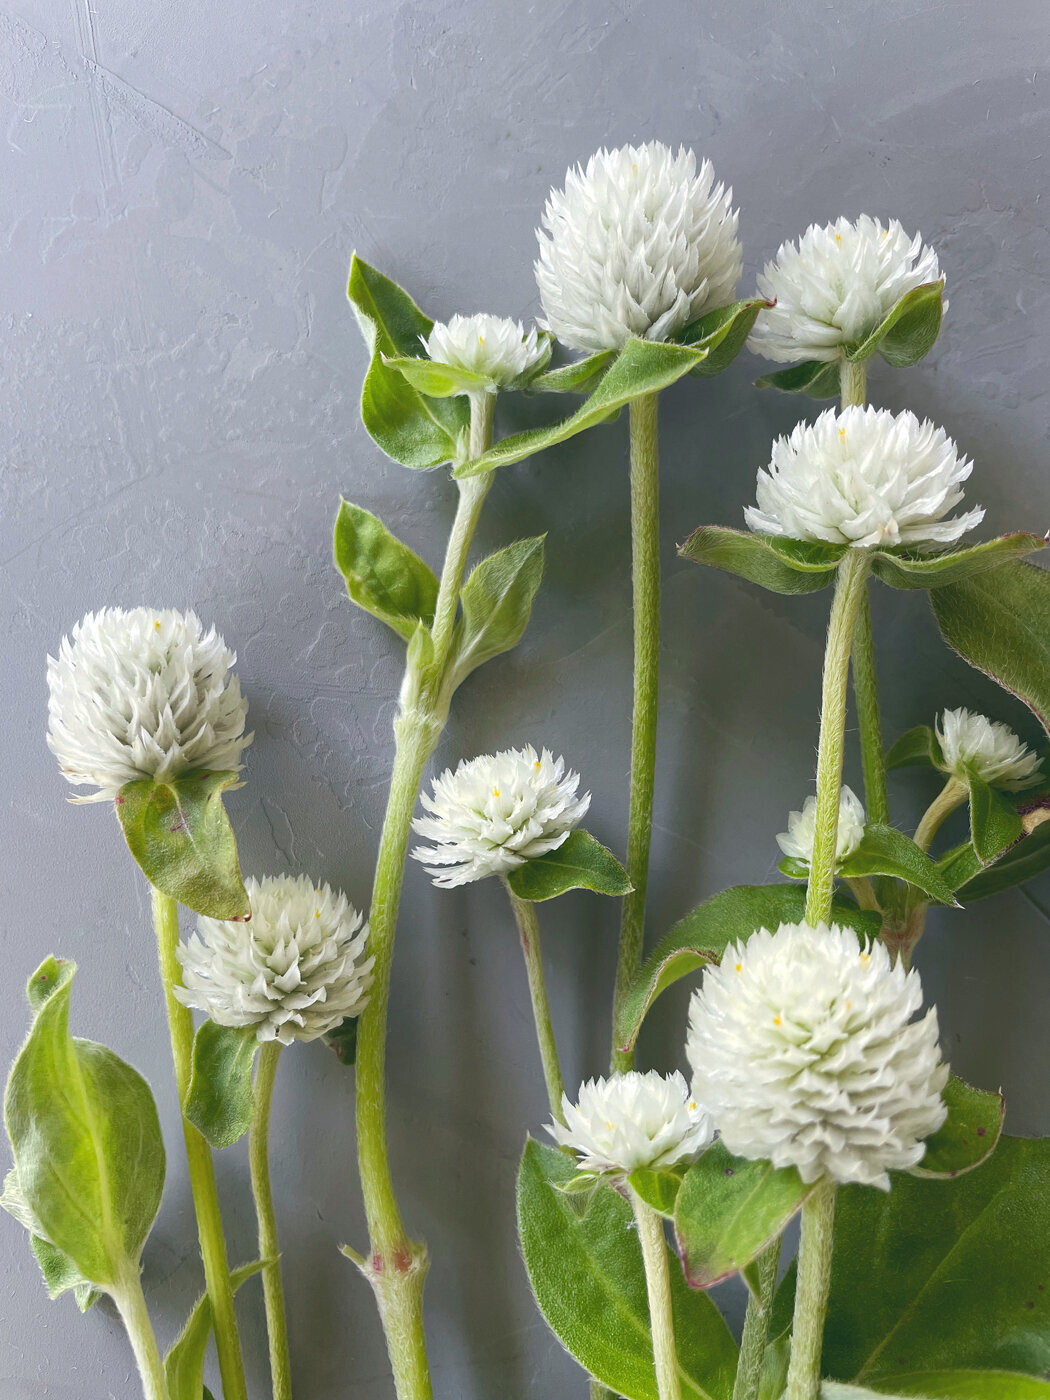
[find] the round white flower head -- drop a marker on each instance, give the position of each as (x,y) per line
(495,347)
(975,744)
(639,243)
(633,1120)
(295,970)
(804,1053)
(864,477)
(496,812)
(836,287)
(797,841)
(143,694)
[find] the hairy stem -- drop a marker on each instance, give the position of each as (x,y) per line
(198,1158)
(811,1293)
(269,1250)
(472,493)
(658,1283)
(529,932)
(950,797)
(131,1304)
(853,383)
(645,551)
(866,694)
(756,1326)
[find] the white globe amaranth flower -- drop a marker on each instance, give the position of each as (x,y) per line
(836,287)
(972,743)
(494,347)
(798,840)
(633,1120)
(495,812)
(864,477)
(639,243)
(144,693)
(295,970)
(805,1054)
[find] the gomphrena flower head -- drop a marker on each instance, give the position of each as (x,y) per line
(143,694)
(496,812)
(493,346)
(295,970)
(864,477)
(633,1120)
(639,243)
(798,840)
(836,287)
(805,1054)
(972,743)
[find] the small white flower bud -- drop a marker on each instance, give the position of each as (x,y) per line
(797,841)
(972,743)
(633,1120)
(494,347)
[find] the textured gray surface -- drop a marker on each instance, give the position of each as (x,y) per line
(182,190)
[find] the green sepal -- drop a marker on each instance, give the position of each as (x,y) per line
(184,1363)
(342,1041)
(917,747)
(413,428)
(219,1097)
(658,1188)
(968,1135)
(497,603)
(886,851)
(382,575)
(181,837)
(779,565)
(909,570)
(908,332)
(722,333)
(579,377)
(994,823)
(579,863)
(728,1210)
(642,367)
(817,378)
(972,880)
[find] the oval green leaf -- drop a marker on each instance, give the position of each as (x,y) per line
(909,331)
(382,575)
(994,823)
(886,851)
(939,570)
(219,1097)
(968,1135)
(781,566)
(579,377)
(435,379)
(579,863)
(963,869)
(658,1189)
(497,603)
(817,378)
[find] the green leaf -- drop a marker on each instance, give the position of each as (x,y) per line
(782,566)
(969,1134)
(918,747)
(963,870)
(59,1271)
(87,1145)
(886,851)
(589,1281)
(179,833)
(728,1210)
(435,379)
(579,377)
(702,936)
(994,823)
(946,1385)
(497,602)
(722,333)
(343,1040)
(658,1189)
(909,331)
(817,378)
(184,1363)
(414,429)
(910,570)
(1000,624)
(642,367)
(382,575)
(579,863)
(219,1098)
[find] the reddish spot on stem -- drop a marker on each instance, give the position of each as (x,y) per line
(377,1262)
(402,1260)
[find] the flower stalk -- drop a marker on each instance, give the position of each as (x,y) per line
(658,1285)
(131,1304)
(951,796)
(269,1250)
(529,933)
(811,1298)
(756,1326)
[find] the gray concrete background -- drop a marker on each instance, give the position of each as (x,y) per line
(183,187)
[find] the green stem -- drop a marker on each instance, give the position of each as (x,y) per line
(850,583)
(658,1283)
(529,932)
(950,797)
(269,1250)
(866,694)
(198,1158)
(131,1304)
(645,551)
(853,383)
(811,1293)
(472,493)
(756,1326)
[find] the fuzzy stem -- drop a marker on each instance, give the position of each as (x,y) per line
(811,1293)
(198,1158)
(866,694)
(951,796)
(529,931)
(756,1326)
(658,1283)
(853,383)
(850,583)
(645,549)
(131,1304)
(472,493)
(269,1250)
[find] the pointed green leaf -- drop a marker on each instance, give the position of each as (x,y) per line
(179,833)
(497,603)
(219,1098)
(971,880)
(782,566)
(909,331)
(722,333)
(968,1135)
(945,1385)
(886,851)
(184,1363)
(817,378)
(915,748)
(994,823)
(433,378)
(382,575)
(579,863)
(59,1271)
(579,377)
(658,1189)
(910,570)
(793,867)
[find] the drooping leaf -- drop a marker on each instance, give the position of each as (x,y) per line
(918,747)
(969,1134)
(219,1098)
(817,378)
(994,823)
(382,575)
(179,833)
(579,377)
(658,1188)
(886,851)
(728,1210)
(910,570)
(184,1363)
(497,602)
(909,331)
(722,333)
(579,863)
(588,1278)
(782,566)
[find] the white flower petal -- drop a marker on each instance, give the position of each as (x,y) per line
(972,743)
(633,1120)
(797,841)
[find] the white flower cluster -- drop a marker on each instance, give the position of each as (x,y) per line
(143,694)
(798,840)
(633,1120)
(639,243)
(805,1054)
(495,812)
(864,477)
(836,287)
(494,347)
(972,743)
(295,970)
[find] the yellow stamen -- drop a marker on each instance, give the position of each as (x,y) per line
(739,967)
(156,623)
(776,1021)
(865,958)
(495,792)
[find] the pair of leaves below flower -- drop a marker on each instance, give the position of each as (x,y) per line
(219,1097)
(579,863)
(884,851)
(703,935)
(184,1363)
(178,831)
(903,337)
